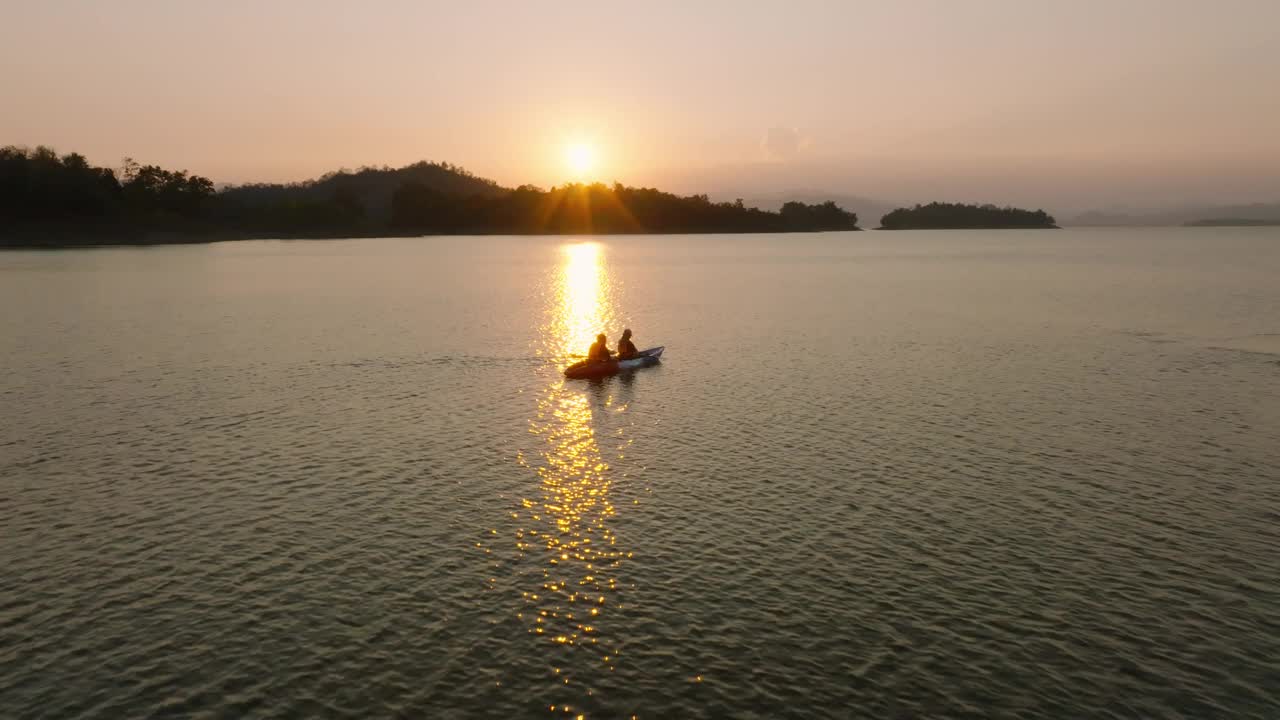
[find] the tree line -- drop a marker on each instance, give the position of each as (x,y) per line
(41,186)
(47,198)
(599,208)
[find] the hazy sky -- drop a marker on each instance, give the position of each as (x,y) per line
(1056,104)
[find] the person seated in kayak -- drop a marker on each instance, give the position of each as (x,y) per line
(599,351)
(626,348)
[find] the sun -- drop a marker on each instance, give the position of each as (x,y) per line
(580,157)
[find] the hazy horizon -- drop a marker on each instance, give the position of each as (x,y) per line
(1063,106)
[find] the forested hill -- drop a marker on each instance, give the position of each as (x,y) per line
(371,188)
(52,200)
(944,216)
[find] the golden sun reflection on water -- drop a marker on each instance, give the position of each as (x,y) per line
(565,536)
(581,300)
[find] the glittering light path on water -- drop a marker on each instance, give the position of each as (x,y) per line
(569,555)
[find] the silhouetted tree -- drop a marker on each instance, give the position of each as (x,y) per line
(37,185)
(152,191)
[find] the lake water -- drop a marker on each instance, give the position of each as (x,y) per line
(982,474)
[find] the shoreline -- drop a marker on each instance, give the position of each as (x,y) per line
(169,237)
(977,227)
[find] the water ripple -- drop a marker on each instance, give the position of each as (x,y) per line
(1001,485)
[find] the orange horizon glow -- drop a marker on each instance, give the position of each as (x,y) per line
(978,104)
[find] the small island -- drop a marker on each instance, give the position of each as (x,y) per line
(956,216)
(52,200)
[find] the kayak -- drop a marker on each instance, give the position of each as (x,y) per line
(588,369)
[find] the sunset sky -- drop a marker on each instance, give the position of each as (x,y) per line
(1055,104)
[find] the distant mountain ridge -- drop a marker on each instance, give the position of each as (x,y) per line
(1258,212)
(1233,222)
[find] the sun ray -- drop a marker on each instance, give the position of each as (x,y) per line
(612,199)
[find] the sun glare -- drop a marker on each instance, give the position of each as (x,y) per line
(583,307)
(581,158)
